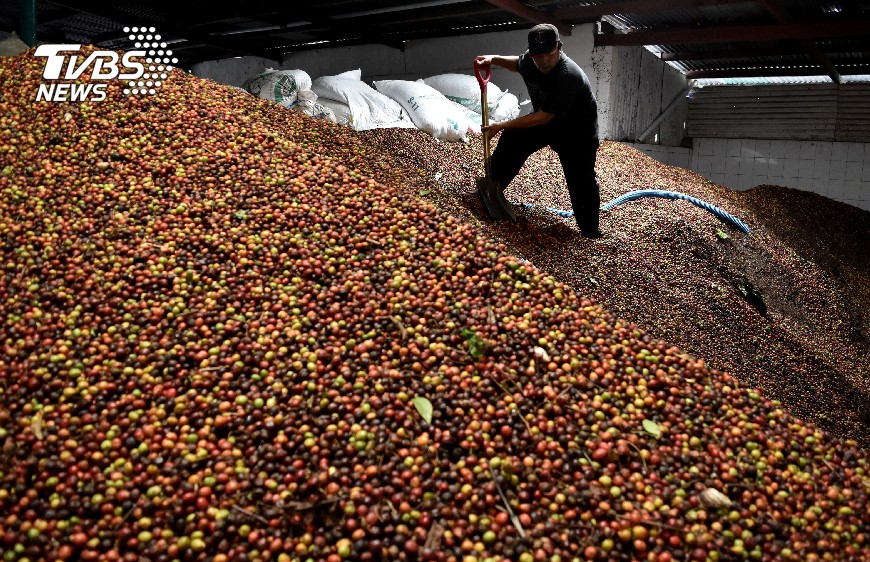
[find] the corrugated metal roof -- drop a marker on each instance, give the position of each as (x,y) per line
(682,17)
(792,37)
(790,80)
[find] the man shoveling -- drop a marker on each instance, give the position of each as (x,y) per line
(564,117)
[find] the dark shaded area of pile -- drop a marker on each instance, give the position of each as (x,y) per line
(783,308)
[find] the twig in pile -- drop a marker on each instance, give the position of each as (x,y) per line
(392,507)
(433,539)
(128,514)
(656,524)
(490,377)
(398,322)
(501,369)
(514,519)
(516,411)
(839,474)
(523,418)
(638,454)
(739,485)
(251,514)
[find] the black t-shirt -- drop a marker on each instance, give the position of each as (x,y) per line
(564,92)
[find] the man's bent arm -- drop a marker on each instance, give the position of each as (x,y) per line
(530,120)
(510,63)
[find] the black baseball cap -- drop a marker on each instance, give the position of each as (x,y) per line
(543,38)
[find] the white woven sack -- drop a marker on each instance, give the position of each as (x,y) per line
(306,102)
(474,116)
(508,108)
(340,110)
(355,74)
(465,90)
(314,109)
(321,112)
(253,85)
(429,109)
(283,86)
(369,108)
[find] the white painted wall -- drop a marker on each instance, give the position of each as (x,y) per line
(427,57)
(234,71)
(837,170)
(670,155)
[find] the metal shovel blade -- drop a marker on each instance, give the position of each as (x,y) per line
(491,195)
(497,207)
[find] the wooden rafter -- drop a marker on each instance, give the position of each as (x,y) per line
(778,11)
(635,7)
(349,30)
(771,71)
(736,33)
(365,38)
(531,14)
(166,28)
(57,14)
(754,51)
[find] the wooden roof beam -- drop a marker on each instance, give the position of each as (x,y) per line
(736,33)
(394,40)
(165,28)
(778,11)
(341,28)
(636,7)
(771,71)
(755,51)
(533,15)
(55,15)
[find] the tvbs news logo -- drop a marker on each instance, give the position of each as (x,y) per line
(62,68)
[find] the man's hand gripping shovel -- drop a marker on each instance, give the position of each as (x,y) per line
(490,192)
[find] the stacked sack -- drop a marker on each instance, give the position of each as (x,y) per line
(291,89)
(430,110)
(464,90)
(356,104)
(447,106)
(283,86)
(306,102)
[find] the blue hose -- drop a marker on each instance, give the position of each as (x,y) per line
(561,213)
(632,195)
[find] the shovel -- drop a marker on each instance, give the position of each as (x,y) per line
(490,192)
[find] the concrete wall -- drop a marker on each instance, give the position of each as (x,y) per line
(642,88)
(427,57)
(838,170)
(670,155)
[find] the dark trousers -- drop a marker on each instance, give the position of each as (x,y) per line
(578,162)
